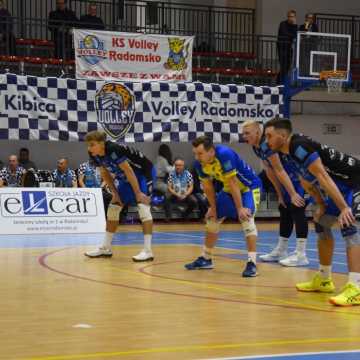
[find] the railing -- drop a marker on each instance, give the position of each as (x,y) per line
(342,24)
(212,26)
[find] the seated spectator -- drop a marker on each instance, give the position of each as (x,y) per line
(89,175)
(60,23)
(24,159)
(63,175)
(163,166)
(7,38)
(309,24)
(180,188)
(13,174)
(90,20)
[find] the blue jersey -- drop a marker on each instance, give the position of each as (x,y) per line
(264,152)
(116,154)
(227,163)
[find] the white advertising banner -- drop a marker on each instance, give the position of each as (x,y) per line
(51,210)
(132,56)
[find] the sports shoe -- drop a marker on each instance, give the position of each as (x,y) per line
(317,284)
(199,264)
(274,256)
(295,259)
(250,270)
(143,255)
(99,252)
(350,295)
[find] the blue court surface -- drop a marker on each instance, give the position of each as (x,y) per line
(228,240)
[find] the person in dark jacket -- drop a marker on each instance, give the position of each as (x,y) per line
(309,24)
(61,21)
(286,36)
(91,20)
(7,38)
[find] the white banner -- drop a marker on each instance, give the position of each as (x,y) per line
(132,56)
(51,210)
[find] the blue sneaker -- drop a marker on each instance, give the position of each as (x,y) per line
(250,270)
(200,263)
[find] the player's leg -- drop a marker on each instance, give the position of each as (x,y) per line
(350,294)
(285,230)
(146,219)
(250,200)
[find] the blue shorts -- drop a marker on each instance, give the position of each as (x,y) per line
(126,192)
(225,205)
(298,188)
(347,193)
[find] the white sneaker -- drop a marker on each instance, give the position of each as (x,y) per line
(274,256)
(295,259)
(143,256)
(99,252)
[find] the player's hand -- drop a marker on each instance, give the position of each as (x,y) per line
(319,211)
(142,198)
(281,201)
(297,200)
(211,214)
(244,214)
(346,217)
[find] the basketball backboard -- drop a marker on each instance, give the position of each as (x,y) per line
(317,52)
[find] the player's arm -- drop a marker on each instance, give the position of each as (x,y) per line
(131,178)
(273,179)
(210,194)
(317,169)
(284,179)
(109,181)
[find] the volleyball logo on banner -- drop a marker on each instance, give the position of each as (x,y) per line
(92,49)
(115,108)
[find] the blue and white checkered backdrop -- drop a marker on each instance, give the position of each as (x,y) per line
(35,108)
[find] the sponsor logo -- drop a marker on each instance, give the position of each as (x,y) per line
(115,108)
(91,49)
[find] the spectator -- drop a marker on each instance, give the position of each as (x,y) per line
(7,37)
(89,175)
(180,188)
(286,36)
(63,175)
(13,174)
(24,159)
(61,21)
(163,166)
(90,20)
(309,24)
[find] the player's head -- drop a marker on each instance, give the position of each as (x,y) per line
(277,132)
(251,132)
(95,141)
(204,149)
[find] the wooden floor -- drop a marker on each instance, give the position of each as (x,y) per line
(57,304)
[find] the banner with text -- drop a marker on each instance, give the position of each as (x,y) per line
(35,108)
(51,211)
(112,55)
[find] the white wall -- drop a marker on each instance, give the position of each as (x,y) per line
(270,13)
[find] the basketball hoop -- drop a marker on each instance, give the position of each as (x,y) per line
(334,80)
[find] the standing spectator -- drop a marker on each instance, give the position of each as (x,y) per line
(7,37)
(180,188)
(24,159)
(286,36)
(61,21)
(63,175)
(13,174)
(309,24)
(91,20)
(163,166)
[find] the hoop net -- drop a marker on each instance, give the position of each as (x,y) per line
(334,80)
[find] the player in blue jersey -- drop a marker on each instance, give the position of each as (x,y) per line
(238,199)
(282,173)
(129,175)
(325,169)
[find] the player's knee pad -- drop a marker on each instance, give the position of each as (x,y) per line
(249,227)
(144,212)
(323,227)
(351,236)
(212,226)
(356,205)
(113,212)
